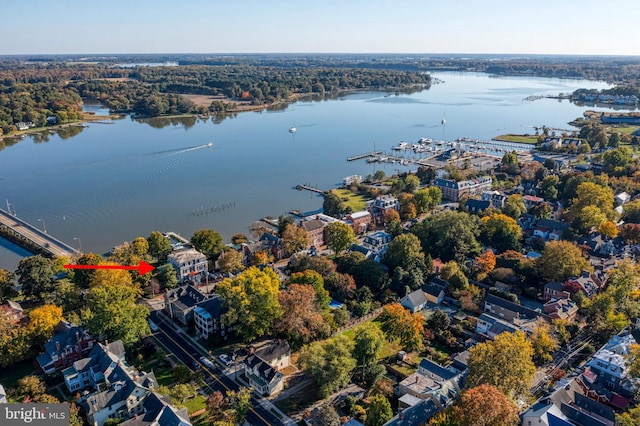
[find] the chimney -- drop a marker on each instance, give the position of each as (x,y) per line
(416,379)
(58,346)
(77,336)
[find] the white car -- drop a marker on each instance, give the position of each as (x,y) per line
(206,361)
(225,359)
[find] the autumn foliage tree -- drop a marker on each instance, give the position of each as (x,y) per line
(42,321)
(505,362)
(543,342)
(294,239)
(301,320)
(486,405)
(561,260)
(400,324)
(485,263)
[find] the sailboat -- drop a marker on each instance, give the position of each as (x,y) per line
(292,129)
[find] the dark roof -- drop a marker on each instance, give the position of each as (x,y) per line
(440,283)
(213,305)
(417,415)
(436,370)
(588,404)
(266,372)
(460,360)
(581,418)
(433,290)
(552,224)
(312,225)
(64,334)
(554,285)
(272,351)
(477,205)
(360,249)
(513,307)
(272,240)
(185,296)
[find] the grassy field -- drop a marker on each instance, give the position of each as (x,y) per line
(530,139)
(627,130)
(355,201)
(195,404)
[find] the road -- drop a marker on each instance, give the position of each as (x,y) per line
(182,348)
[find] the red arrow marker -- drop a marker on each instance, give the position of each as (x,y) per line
(142,268)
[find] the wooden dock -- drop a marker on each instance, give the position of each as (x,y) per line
(365,155)
(310,188)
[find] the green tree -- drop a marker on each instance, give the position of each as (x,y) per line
(283,222)
(378,411)
(75,419)
(6,285)
(411,183)
(506,363)
(35,275)
(549,187)
(406,252)
(81,277)
(501,232)
(438,321)
(543,342)
(252,300)
(15,340)
(294,239)
(315,280)
(368,341)
(561,260)
(140,247)
(112,311)
(209,242)
(168,276)
(632,211)
(589,217)
(452,273)
(240,402)
(333,205)
(339,236)
(449,235)
(592,194)
(159,246)
(330,363)
(379,175)
(515,206)
(230,261)
(326,415)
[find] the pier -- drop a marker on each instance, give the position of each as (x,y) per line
(310,188)
(365,155)
(31,238)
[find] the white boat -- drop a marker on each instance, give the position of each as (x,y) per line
(292,129)
(209,144)
(402,145)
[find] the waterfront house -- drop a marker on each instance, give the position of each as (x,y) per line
(359,221)
(189,263)
(353,179)
(454,191)
(314,227)
(68,344)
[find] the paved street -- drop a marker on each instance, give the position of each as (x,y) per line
(258,415)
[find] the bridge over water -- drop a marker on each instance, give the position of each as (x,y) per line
(31,237)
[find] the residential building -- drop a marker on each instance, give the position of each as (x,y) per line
(68,344)
(414,301)
(262,377)
(490,326)
(353,179)
(381,205)
(268,243)
(359,221)
(377,242)
(315,230)
(622,198)
(587,282)
(180,304)
(476,206)
(207,317)
(454,191)
(561,308)
(610,369)
(434,293)
(189,263)
(554,290)
(497,199)
(276,353)
(158,411)
(416,415)
(432,381)
(532,201)
(509,311)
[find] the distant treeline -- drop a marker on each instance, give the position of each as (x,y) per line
(33,91)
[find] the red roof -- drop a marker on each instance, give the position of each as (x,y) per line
(619,401)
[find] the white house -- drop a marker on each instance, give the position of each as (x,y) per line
(189,263)
(414,301)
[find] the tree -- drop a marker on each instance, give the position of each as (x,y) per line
(209,242)
(35,275)
(408,209)
(590,217)
(283,222)
(368,341)
(632,211)
(252,300)
(230,261)
(330,363)
(515,206)
(399,324)
(241,238)
(592,194)
(543,342)
(112,312)
(339,236)
(31,387)
(630,417)
(411,183)
(391,215)
(501,232)
(316,281)
(15,340)
(632,361)
(630,232)
(549,187)
(301,320)
(428,198)
(510,162)
(67,296)
(6,285)
(561,260)
(168,276)
(506,363)
(217,405)
(378,411)
(485,263)
(294,239)
(452,273)
(449,235)
(110,277)
(333,205)
(486,405)
(82,277)
(159,246)
(343,286)
(608,229)
(405,251)
(75,419)
(42,321)
(379,175)
(438,321)
(140,247)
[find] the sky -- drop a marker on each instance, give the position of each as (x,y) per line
(586,27)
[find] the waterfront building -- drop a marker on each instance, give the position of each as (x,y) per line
(189,263)
(454,191)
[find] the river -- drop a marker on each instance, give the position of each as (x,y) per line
(107,183)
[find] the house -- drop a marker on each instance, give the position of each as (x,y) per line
(610,369)
(532,201)
(350,180)
(497,199)
(315,230)
(561,308)
(268,243)
(180,304)
(262,377)
(509,311)
(207,317)
(377,242)
(417,415)
(276,353)
(476,206)
(120,391)
(359,221)
(158,411)
(431,382)
(51,120)
(3,395)
(554,290)
(622,198)
(587,282)
(414,301)
(490,326)
(22,125)
(550,229)
(68,344)
(434,293)
(454,191)
(189,263)
(381,205)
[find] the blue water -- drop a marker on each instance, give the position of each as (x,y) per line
(114,182)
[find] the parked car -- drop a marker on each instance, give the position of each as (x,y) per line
(206,361)
(225,359)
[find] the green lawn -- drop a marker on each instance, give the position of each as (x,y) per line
(531,139)
(163,373)
(627,130)
(9,376)
(195,404)
(355,201)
